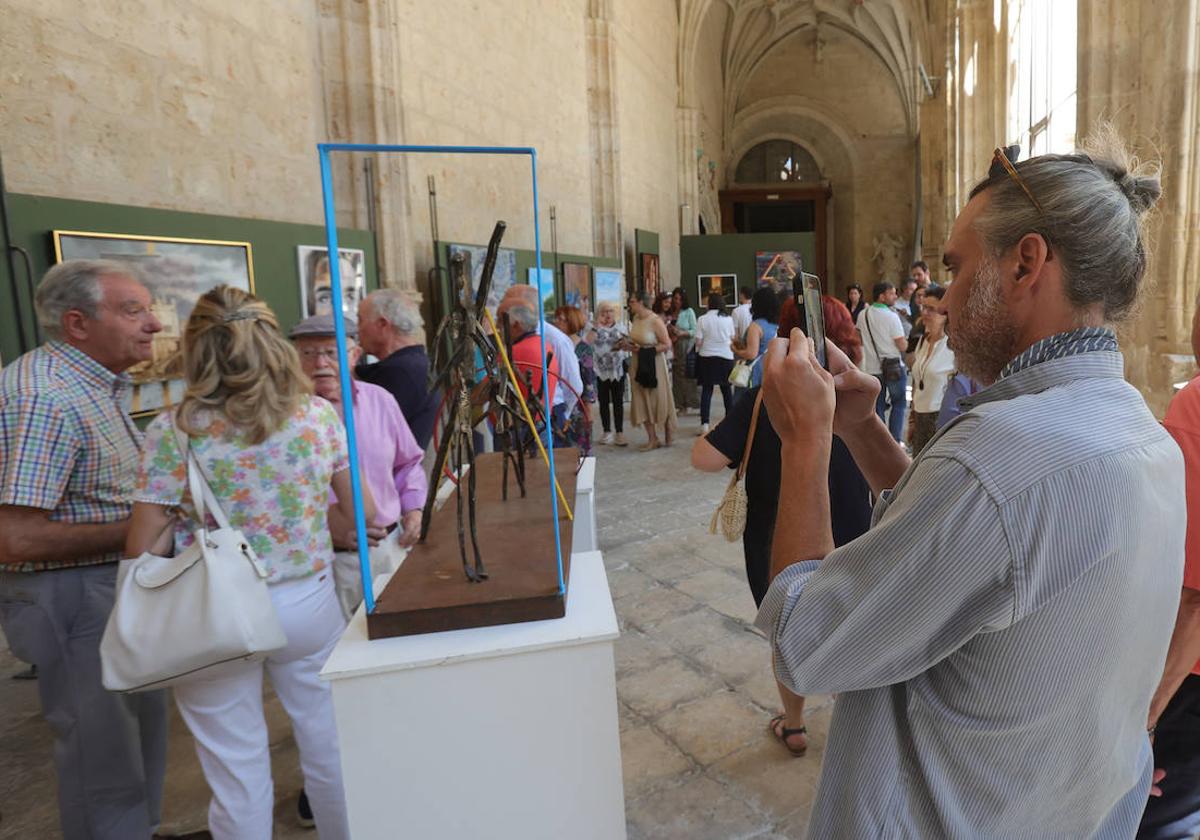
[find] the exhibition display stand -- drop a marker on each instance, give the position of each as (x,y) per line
(507,731)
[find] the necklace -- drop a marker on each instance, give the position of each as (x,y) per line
(929,352)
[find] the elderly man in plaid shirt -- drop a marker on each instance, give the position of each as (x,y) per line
(68,460)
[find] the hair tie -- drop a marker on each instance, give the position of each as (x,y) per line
(239,315)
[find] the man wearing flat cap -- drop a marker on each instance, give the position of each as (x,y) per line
(390,460)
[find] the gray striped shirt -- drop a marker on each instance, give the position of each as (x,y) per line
(996,636)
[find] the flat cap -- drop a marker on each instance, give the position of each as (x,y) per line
(320,326)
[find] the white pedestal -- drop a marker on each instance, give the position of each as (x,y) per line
(496,732)
(584,527)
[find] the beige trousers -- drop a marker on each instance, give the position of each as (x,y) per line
(385,557)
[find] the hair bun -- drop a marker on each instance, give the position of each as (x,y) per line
(1143,192)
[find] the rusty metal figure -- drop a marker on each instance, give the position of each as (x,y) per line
(470,392)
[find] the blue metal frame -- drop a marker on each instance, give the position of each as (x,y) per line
(335,277)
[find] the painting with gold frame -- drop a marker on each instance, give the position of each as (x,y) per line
(177,272)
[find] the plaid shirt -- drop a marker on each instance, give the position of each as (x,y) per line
(67,443)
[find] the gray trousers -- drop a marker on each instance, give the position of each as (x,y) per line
(110,750)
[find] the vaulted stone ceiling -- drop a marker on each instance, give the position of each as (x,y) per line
(892,29)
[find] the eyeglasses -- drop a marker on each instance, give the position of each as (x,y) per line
(1001,162)
(329,353)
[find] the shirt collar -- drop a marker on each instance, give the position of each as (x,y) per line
(88,369)
(1085,353)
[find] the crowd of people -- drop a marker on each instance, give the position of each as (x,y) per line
(1005,600)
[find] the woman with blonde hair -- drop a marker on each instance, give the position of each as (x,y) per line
(271,451)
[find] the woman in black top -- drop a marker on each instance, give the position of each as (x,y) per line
(855,301)
(849,496)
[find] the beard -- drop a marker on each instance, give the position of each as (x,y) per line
(983,337)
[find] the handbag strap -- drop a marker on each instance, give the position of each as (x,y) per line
(202,494)
(741,470)
(867,319)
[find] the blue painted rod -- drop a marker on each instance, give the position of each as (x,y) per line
(339,329)
(335,277)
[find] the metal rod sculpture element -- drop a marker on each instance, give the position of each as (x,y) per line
(457,374)
(339,330)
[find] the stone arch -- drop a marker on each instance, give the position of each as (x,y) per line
(824,134)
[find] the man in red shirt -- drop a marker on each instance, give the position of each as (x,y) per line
(1175,708)
(527,353)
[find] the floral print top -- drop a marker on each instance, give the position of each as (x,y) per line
(276,492)
(609,361)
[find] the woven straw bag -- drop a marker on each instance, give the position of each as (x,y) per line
(731,512)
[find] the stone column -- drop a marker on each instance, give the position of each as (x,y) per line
(1139,68)
(687,130)
(359,51)
(602,125)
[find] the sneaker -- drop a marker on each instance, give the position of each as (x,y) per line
(304,814)
(619,440)
(703,430)
(607,439)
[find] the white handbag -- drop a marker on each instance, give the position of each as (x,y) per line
(179,618)
(739,377)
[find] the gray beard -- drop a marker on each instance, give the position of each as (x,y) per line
(983,338)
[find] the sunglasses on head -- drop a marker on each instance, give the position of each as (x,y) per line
(1003,161)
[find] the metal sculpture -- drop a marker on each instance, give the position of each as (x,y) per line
(470,392)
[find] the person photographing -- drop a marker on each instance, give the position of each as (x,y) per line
(975,634)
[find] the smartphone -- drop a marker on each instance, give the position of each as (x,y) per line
(814,317)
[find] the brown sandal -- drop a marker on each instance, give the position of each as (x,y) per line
(782,733)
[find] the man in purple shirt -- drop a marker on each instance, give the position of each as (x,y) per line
(390,461)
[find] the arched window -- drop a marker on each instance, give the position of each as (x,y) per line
(776,161)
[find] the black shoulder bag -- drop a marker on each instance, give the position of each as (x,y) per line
(891,368)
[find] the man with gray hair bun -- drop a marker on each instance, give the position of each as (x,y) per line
(391,329)
(68,465)
(994,639)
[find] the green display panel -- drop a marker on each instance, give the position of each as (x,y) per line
(273,245)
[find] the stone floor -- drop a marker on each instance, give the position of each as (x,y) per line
(693,682)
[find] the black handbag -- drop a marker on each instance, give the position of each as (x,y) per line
(647,360)
(690,363)
(891,368)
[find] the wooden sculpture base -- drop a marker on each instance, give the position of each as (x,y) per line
(429,592)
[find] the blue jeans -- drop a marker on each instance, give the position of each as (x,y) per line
(1177,750)
(893,394)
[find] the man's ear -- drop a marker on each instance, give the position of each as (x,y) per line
(75,325)
(1032,254)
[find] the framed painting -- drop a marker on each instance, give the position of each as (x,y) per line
(724,285)
(610,288)
(316,289)
(549,298)
(777,269)
(178,272)
(503,277)
(577,287)
(650,276)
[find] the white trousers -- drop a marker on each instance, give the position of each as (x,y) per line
(225,716)
(385,557)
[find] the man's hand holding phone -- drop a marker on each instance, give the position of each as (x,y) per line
(798,392)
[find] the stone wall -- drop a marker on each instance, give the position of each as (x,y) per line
(217,107)
(645,34)
(212,107)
